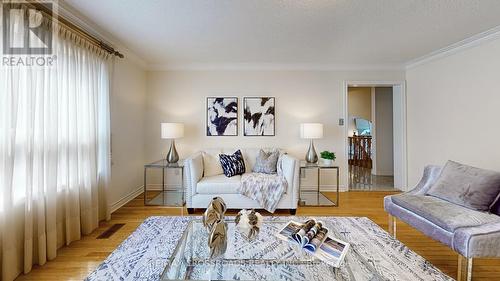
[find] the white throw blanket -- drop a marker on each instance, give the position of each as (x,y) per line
(266,189)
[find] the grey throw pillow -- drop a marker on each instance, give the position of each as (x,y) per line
(266,162)
(467,186)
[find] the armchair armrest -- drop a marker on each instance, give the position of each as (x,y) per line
(431,173)
(478,241)
(194,172)
(291,168)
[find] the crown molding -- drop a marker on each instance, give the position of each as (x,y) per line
(475,40)
(65,10)
(272,66)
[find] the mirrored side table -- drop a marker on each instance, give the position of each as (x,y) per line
(166,196)
(316,197)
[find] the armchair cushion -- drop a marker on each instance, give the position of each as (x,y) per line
(440,212)
(467,186)
(219,184)
(480,241)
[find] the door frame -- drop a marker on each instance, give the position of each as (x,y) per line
(401,137)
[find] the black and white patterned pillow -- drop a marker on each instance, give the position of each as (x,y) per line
(232,165)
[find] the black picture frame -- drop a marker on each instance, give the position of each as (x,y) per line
(249,117)
(231,110)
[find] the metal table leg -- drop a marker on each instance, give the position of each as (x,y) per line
(145,173)
(163,179)
(318,189)
(338,193)
(182,187)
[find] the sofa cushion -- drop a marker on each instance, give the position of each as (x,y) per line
(232,165)
(219,184)
(250,155)
(211,164)
(467,186)
(266,162)
(446,215)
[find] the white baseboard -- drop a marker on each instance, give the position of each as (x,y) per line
(157,186)
(384,173)
(125,199)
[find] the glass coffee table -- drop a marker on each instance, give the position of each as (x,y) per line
(266,257)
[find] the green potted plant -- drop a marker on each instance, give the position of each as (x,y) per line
(327,158)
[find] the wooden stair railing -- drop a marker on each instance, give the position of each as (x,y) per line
(360,151)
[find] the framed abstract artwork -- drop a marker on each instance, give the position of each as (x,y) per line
(259,116)
(222,116)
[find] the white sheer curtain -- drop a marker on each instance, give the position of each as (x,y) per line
(54,153)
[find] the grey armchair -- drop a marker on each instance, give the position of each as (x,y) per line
(470,233)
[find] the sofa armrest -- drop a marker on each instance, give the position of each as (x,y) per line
(193,173)
(291,169)
(479,241)
(431,173)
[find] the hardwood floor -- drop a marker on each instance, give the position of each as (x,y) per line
(77,260)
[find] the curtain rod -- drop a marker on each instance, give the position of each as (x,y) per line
(75,28)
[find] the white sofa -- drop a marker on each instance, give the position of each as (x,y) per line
(201,187)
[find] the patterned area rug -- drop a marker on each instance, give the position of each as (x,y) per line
(144,254)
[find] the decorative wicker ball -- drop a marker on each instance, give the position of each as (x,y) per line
(249,223)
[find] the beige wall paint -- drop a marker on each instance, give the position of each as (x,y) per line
(360,102)
(359,105)
(301,96)
(453,105)
(128,96)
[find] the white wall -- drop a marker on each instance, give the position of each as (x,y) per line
(128,96)
(301,96)
(453,110)
(384,132)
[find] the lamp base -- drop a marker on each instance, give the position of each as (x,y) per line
(311,156)
(172,156)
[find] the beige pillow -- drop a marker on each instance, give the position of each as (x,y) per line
(211,164)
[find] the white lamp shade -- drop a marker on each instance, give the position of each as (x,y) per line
(311,130)
(172,130)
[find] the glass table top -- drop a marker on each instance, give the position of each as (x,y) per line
(164,164)
(304,164)
(266,257)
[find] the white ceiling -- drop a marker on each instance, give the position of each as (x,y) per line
(320,32)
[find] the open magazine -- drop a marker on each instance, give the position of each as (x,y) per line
(313,237)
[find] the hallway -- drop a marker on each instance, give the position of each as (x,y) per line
(362,179)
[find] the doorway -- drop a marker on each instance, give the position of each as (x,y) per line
(375,135)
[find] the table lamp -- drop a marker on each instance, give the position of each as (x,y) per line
(311,131)
(172,131)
